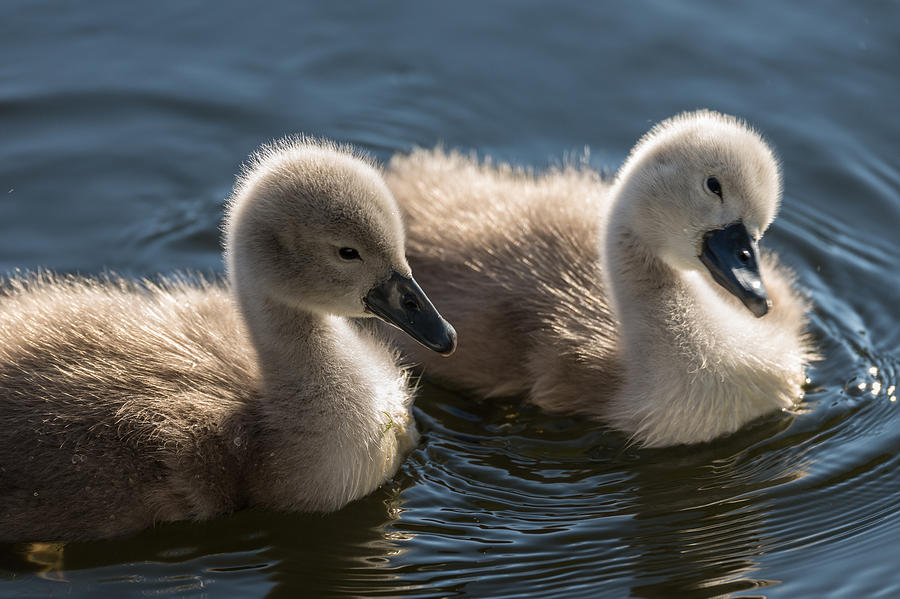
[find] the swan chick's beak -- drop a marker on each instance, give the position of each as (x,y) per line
(732,257)
(400,301)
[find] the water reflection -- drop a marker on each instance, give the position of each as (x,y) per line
(253,551)
(556,504)
(700,514)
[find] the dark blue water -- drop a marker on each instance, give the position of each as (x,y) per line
(120,131)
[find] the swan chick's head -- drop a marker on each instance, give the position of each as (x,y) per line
(312,226)
(699,190)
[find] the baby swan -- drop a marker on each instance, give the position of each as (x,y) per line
(125,404)
(642,301)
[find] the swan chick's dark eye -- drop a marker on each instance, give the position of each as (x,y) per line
(349,254)
(713,185)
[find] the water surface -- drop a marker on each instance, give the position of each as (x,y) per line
(120,133)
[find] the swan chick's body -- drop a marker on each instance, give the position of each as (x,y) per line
(642,301)
(124,404)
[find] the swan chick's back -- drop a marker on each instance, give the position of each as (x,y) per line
(125,403)
(628,299)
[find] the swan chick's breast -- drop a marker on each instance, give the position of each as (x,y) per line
(384,422)
(709,376)
(352,438)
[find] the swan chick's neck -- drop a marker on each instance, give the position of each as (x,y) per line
(331,394)
(697,364)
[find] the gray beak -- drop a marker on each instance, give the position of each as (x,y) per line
(732,257)
(401,302)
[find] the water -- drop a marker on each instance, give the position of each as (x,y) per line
(120,131)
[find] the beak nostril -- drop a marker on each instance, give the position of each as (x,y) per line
(411,305)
